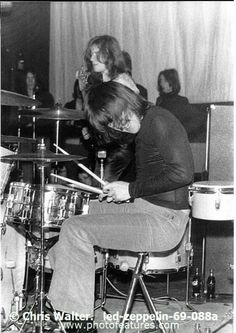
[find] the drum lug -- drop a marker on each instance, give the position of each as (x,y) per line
(217,201)
(190,197)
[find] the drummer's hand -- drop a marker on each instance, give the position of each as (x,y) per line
(116,191)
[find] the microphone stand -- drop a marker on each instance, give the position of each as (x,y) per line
(102,154)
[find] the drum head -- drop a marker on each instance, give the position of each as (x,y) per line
(213,186)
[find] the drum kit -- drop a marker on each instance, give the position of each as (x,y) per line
(43,207)
(36,210)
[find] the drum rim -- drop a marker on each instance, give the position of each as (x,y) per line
(213,185)
(60,186)
(21,183)
(47,186)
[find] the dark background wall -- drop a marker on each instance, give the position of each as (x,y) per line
(25,32)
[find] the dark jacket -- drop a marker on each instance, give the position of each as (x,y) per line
(164,161)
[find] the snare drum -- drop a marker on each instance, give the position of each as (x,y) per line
(155,262)
(60,203)
(212,200)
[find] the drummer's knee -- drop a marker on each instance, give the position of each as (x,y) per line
(71,223)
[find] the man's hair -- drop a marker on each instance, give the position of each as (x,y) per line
(109,102)
(172,77)
(109,53)
(128,62)
(76,91)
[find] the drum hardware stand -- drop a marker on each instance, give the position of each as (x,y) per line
(33,137)
(205,177)
(57,106)
(18,134)
(40,295)
(189,250)
(17,301)
(103,282)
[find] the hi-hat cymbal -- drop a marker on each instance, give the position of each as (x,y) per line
(11,98)
(16,139)
(42,156)
(56,113)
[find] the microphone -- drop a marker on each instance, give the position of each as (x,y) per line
(102,154)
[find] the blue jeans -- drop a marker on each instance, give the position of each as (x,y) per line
(137,226)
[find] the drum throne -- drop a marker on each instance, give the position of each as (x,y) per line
(147,264)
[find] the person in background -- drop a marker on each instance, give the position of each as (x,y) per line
(104,61)
(168,85)
(19,75)
(46,129)
(34,88)
(128,62)
(157,213)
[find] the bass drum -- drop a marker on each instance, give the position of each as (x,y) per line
(13,259)
(156,263)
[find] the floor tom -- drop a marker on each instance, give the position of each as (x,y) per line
(212,200)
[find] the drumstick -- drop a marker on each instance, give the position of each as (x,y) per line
(79,185)
(83,167)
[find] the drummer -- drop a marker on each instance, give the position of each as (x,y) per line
(148,214)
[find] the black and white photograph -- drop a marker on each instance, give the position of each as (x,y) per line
(117,166)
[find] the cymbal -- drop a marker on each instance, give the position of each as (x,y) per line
(11,98)
(29,113)
(56,113)
(16,139)
(42,156)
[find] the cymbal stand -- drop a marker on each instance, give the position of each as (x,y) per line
(18,134)
(58,105)
(40,297)
(57,143)
(34,136)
